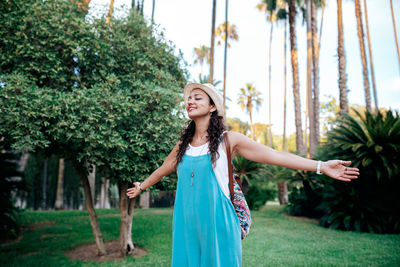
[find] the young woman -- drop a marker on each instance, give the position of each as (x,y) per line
(206,230)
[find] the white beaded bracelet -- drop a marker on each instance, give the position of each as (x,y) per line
(140,187)
(319,167)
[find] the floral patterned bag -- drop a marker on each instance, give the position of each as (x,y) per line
(237,196)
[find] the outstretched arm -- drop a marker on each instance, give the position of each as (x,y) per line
(166,168)
(251,150)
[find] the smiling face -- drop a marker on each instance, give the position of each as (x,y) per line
(199,104)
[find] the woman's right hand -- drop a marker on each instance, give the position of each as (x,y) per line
(134,191)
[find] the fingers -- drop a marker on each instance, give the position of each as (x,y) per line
(353,169)
(133,191)
(351,172)
(350,176)
(132,194)
(343,179)
(344,162)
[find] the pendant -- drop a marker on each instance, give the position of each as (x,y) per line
(191,176)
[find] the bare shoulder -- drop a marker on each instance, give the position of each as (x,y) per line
(235,140)
(235,137)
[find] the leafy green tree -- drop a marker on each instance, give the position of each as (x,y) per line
(235,124)
(115,105)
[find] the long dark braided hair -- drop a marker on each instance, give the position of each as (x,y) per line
(215,128)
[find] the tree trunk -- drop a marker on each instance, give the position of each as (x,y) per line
(344,106)
(104,200)
(211,76)
(23,160)
(395,32)
(315,68)
(126,210)
(225,51)
(283,193)
(152,11)
(253,136)
(320,26)
(310,107)
(284,146)
(360,32)
(60,185)
(44,193)
(83,5)
(371,64)
(269,85)
(110,12)
(295,73)
(92,215)
(92,180)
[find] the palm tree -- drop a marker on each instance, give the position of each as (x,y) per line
(371,64)
(211,75)
(152,11)
(295,73)
(202,54)
(360,32)
(110,12)
(395,32)
(284,146)
(222,31)
(315,47)
(309,99)
(245,168)
(250,98)
(270,9)
(344,106)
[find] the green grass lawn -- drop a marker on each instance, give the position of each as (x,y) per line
(274,240)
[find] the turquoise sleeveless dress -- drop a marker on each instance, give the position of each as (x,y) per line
(206,230)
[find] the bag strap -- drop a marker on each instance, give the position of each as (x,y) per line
(230,168)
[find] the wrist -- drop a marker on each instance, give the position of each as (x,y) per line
(320,167)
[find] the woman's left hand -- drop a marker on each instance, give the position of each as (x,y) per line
(336,170)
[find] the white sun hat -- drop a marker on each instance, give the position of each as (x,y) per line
(210,90)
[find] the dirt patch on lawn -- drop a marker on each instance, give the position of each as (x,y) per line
(88,252)
(302,218)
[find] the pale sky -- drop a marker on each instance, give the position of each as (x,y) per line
(187,23)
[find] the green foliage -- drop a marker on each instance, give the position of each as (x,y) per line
(259,193)
(245,168)
(371,203)
(88,91)
(49,42)
(256,180)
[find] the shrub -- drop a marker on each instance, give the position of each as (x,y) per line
(371,203)
(256,181)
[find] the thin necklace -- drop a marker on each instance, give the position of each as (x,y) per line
(191,159)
